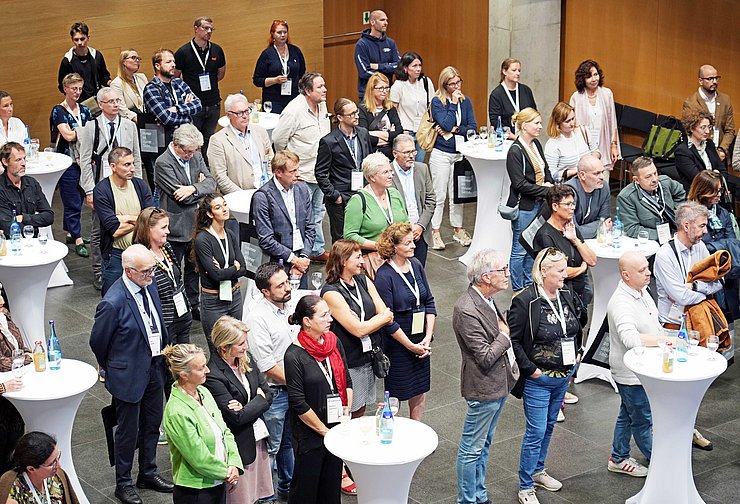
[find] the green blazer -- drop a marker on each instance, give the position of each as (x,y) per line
(365,220)
(192,443)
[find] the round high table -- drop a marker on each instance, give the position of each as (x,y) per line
(606,278)
(25,278)
(267,121)
(492,180)
(674,400)
(382,473)
(47,169)
(48,402)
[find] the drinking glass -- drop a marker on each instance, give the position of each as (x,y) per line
(642,238)
(394,405)
(507,130)
(34,154)
(367,424)
(18,362)
(694,340)
(48,154)
(28,234)
(257,104)
(483,132)
(713,345)
(295,283)
(43,238)
(470,134)
(268,106)
(639,351)
(316,279)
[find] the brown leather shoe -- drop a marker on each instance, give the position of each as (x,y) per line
(321,258)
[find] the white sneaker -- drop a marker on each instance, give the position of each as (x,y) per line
(462,237)
(528,497)
(544,480)
(437,242)
(628,466)
(561,415)
(570,398)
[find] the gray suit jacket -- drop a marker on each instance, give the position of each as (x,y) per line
(168,175)
(425,197)
(637,215)
(129,137)
(486,374)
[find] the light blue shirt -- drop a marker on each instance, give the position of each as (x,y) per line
(406,177)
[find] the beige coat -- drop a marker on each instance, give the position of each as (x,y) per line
(230,162)
(132,98)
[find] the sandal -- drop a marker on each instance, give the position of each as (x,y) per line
(350,488)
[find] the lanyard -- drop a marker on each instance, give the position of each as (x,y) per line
(659,205)
(325,367)
(35,493)
(514,104)
(415,288)
(166,266)
(458,113)
(684,266)
(142,311)
(116,128)
(352,146)
(77,117)
(224,250)
(559,314)
(197,55)
(588,207)
(389,215)
(284,61)
(357,299)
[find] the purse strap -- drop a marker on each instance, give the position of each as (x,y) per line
(377,119)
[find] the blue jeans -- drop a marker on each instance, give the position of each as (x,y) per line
(69,190)
(542,399)
(475,443)
(520,264)
(634,420)
(279,445)
(317,205)
(420,154)
(112,270)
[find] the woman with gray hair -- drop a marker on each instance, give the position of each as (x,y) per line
(546,337)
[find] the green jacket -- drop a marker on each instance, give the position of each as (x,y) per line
(192,443)
(636,215)
(363,222)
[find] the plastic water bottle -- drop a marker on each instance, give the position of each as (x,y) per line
(27,141)
(617,231)
(15,235)
(53,349)
(386,421)
(682,342)
(39,357)
(263,177)
(499,136)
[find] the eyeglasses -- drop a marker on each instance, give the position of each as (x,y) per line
(240,113)
(455,84)
(356,113)
(75,89)
(714,78)
(382,88)
(55,463)
(112,100)
(134,58)
(572,204)
(408,152)
(207,28)
(704,127)
(187,151)
(504,270)
(146,273)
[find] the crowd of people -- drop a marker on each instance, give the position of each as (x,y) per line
(245,420)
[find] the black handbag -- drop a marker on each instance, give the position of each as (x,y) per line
(381,362)
(465,187)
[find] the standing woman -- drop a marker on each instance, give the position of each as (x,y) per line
(243,395)
(403,287)
(65,117)
(546,337)
(12,129)
(411,93)
(129,84)
(203,452)
(567,144)
(219,262)
(510,96)
(530,180)
(315,368)
(594,106)
(378,115)
(279,68)
(453,113)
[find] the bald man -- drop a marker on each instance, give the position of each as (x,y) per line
(708,99)
(633,321)
(593,201)
(375,52)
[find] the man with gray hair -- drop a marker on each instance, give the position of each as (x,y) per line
(673,261)
(182,178)
(94,141)
(592,197)
(489,369)
(239,155)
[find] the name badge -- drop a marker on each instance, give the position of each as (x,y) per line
(510,355)
(333,408)
(664,233)
(568,345)
(459,142)
(181,306)
(417,322)
(675,313)
(357,180)
(260,430)
(285,88)
(367,344)
(224,290)
(155,344)
(205,82)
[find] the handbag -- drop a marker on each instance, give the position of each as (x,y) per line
(381,362)
(508,212)
(663,139)
(465,189)
(426,135)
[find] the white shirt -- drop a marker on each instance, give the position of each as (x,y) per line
(16,132)
(406,177)
(253,152)
(711,104)
(412,101)
(270,334)
(562,153)
(288,196)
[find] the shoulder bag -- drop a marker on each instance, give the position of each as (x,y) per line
(508,212)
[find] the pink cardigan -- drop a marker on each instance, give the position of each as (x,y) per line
(605,101)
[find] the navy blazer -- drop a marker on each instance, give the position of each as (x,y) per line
(121,345)
(275,231)
(689,162)
(224,387)
(105,207)
(334,164)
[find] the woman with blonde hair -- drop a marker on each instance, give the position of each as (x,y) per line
(379,116)
(243,395)
(129,84)
(453,115)
(568,143)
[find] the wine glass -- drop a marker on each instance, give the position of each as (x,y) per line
(366,425)
(483,132)
(642,238)
(713,345)
(694,340)
(268,106)
(507,130)
(257,104)
(28,234)
(43,238)
(295,283)
(316,279)
(470,134)
(394,405)
(18,362)
(639,351)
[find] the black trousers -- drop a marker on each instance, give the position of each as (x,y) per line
(317,476)
(190,276)
(179,331)
(213,495)
(206,121)
(422,249)
(138,427)
(336,219)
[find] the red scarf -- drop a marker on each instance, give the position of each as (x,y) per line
(321,351)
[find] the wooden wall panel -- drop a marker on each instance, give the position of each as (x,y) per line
(40,36)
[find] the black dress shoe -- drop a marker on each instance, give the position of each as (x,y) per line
(156,483)
(127,495)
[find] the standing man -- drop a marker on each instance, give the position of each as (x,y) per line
(239,154)
(489,369)
(95,141)
(302,124)
(127,338)
(414,181)
(375,52)
(673,261)
(592,197)
(633,319)
(708,99)
(169,98)
(182,178)
(282,214)
(20,192)
(85,61)
(202,65)
(269,337)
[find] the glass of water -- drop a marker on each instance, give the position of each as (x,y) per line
(713,345)
(483,131)
(394,405)
(28,234)
(295,283)
(43,239)
(639,351)
(316,279)
(19,361)
(471,135)
(268,106)
(642,238)
(694,340)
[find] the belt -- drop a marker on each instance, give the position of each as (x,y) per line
(213,291)
(669,325)
(279,387)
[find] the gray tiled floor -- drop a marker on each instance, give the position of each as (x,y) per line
(579,449)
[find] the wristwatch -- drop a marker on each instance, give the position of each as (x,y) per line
(694,286)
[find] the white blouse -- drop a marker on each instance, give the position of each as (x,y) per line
(412,101)
(16,132)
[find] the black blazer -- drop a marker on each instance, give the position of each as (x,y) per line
(334,164)
(367,117)
(523,180)
(225,386)
(689,163)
